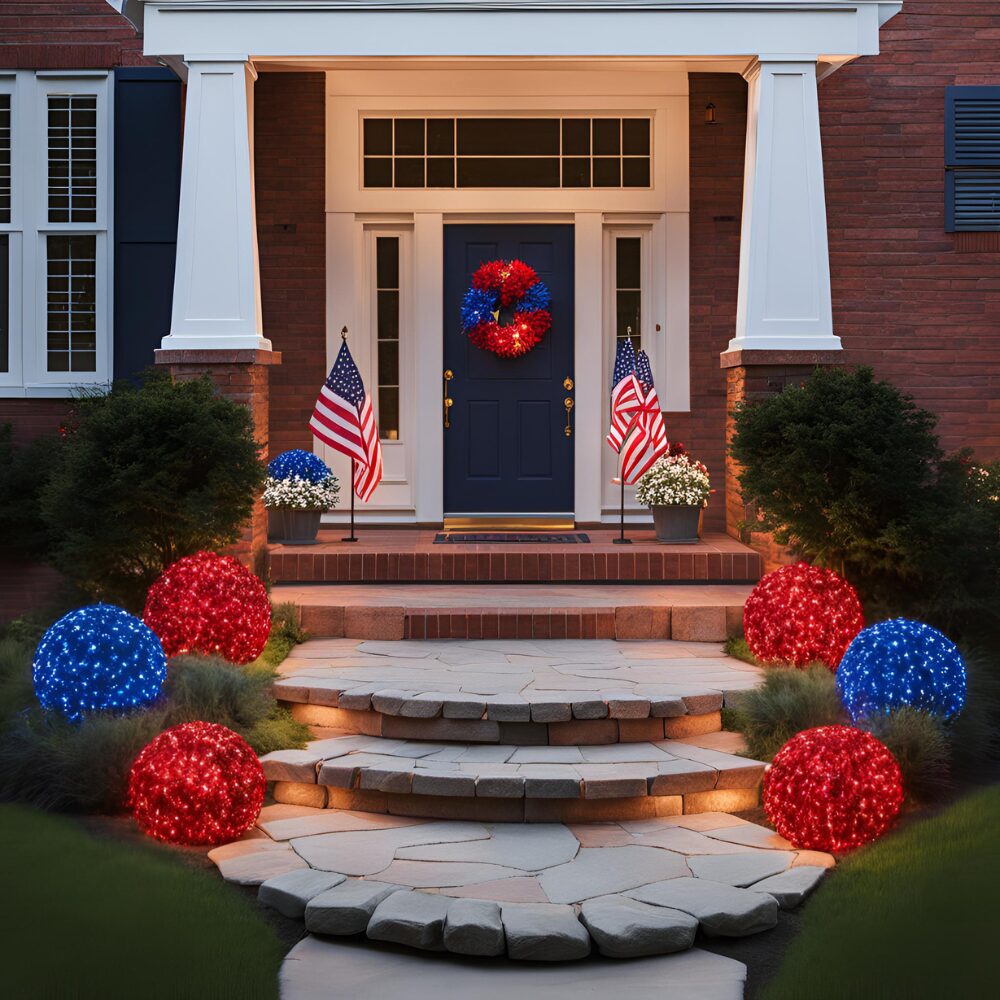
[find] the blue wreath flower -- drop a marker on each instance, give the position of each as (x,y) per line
(536,297)
(297,462)
(478,307)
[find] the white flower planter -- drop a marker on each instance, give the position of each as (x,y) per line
(676,524)
(293,526)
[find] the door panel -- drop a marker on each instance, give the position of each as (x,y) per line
(506,451)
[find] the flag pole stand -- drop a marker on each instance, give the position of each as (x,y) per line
(352,537)
(621,539)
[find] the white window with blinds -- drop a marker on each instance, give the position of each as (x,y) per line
(55,192)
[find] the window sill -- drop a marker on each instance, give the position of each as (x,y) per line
(46,391)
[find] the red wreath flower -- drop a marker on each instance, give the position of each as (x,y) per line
(500,284)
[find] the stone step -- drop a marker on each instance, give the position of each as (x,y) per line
(411,555)
(688,613)
(511,783)
(514,692)
(551,892)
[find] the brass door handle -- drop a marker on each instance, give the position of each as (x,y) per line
(568,404)
(447,376)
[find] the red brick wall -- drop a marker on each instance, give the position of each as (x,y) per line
(289,159)
(906,300)
(717,153)
(66,34)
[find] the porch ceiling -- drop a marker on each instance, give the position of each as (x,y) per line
(831,31)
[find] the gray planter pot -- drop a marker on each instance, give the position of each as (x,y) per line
(675,524)
(293,526)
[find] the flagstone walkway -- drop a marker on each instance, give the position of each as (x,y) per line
(534,892)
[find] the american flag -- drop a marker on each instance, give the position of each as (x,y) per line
(650,439)
(343,419)
(626,394)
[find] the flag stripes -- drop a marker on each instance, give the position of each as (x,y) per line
(343,419)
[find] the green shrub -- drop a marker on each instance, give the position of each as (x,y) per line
(919,742)
(53,764)
(148,474)
(848,471)
(24,473)
(975,734)
(786,702)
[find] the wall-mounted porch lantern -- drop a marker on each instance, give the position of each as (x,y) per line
(710,114)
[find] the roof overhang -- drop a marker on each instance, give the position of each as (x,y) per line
(831,31)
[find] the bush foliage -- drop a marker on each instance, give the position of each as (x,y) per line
(920,744)
(786,702)
(848,471)
(53,764)
(23,475)
(146,475)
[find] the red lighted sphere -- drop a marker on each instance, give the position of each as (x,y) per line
(197,783)
(802,614)
(832,789)
(207,603)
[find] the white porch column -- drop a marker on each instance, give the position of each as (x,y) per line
(216,281)
(784,290)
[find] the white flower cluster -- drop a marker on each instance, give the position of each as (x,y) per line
(301,494)
(674,480)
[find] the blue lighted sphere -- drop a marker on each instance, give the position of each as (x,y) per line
(98,658)
(297,462)
(901,663)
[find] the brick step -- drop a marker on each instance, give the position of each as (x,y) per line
(507,783)
(689,613)
(411,556)
(523,693)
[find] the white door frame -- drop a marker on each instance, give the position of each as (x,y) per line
(414,492)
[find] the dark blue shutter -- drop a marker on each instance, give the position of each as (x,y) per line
(147,190)
(972,159)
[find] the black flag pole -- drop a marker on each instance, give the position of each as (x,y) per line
(352,537)
(621,539)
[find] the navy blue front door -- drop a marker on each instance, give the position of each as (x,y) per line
(506,451)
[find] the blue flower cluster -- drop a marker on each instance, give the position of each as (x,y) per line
(898,663)
(97,658)
(479,305)
(303,464)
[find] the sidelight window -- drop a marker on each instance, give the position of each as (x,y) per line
(387,290)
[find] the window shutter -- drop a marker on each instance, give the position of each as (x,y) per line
(972,159)
(147,191)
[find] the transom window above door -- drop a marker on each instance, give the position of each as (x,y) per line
(498,152)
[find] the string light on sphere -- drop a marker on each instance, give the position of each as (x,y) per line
(902,663)
(832,789)
(299,464)
(197,783)
(98,658)
(801,614)
(212,604)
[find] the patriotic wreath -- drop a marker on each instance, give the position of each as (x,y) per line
(497,285)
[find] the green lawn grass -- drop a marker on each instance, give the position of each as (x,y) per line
(83,917)
(912,917)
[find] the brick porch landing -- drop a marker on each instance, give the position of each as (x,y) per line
(706,612)
(409,555)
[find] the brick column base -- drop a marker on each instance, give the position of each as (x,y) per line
(754,375)
(243,377)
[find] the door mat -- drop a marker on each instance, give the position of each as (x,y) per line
(534,537)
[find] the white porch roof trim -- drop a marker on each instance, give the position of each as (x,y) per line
(824,30)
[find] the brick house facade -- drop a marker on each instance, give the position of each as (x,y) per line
(918,303)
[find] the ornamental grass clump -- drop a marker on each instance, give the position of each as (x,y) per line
(674,480)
